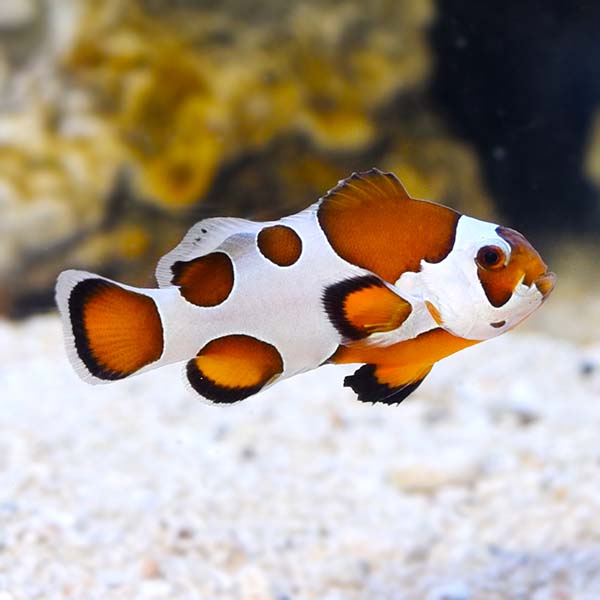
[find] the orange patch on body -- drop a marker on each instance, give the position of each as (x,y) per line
(233,367)
(204,281)
(525,263)
(280,244)
(116,331)
(371,221)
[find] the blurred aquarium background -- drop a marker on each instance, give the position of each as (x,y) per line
(123,122)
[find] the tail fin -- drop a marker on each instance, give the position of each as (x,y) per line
(110,331)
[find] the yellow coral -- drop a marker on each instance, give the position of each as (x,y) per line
(263,104)
(440,169)
(311,79)
(176,130)
(133,241)
(183,174)
(174,93)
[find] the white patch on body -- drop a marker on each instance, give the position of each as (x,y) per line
(279,305)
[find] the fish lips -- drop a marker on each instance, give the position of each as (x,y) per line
(545,284)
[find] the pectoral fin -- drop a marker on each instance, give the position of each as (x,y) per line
(389,385)
(360,306)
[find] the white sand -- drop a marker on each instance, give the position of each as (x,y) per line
(485,484)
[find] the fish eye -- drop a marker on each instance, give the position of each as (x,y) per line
(491,258)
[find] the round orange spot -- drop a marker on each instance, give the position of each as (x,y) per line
(280,244)
(204,281)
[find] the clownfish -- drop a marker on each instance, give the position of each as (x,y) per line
(366,275)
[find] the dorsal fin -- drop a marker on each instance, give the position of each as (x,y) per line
(203,238)
(367,187)
(371,221)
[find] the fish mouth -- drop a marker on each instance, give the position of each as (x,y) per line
(545,284)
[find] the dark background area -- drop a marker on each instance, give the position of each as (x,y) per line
(521,81)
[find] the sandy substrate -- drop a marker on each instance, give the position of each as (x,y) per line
(483,485)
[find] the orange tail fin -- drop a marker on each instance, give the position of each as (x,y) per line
(111,332)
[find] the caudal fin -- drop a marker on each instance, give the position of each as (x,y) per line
(111,331)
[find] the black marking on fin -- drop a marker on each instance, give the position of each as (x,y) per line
(79,297)
(123,334)
(333,301)
(214,392)
(368,389)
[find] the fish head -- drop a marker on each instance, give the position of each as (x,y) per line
(491,281)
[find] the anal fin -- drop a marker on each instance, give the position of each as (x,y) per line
(388,385)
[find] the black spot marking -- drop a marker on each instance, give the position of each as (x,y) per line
(498,324)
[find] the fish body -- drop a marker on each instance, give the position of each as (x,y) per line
(365,275)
